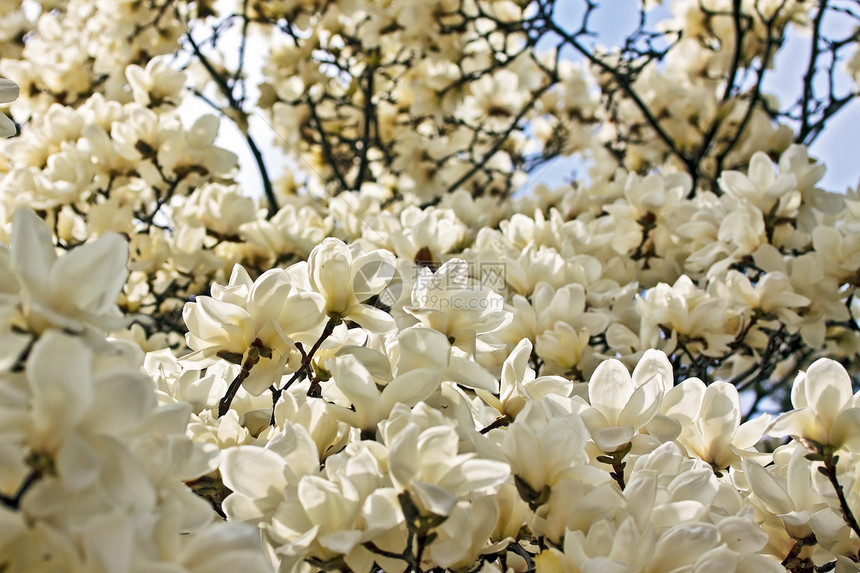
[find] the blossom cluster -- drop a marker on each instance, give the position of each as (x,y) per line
(390,361)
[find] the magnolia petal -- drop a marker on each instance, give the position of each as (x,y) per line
(239,508)
(223,546)
(371,318)
(7,126)
(340,541)
(470,374)
(302,315)
(827,388)
(92,275)
(663,428)
(799,423)
(32,250)
(411,388)
(767,489)
(9,91)
(741,535)
(356,383)
(437,445)
(77,462)
(612,438)
(846,428)
(654,363)
(481,474)
(737,184)
(372,272)
(381,511)
(109,541)
(433,498)
(323,501)
(123,398)
(62,389)
(717,560)
(123,478)
(642,405)
(750,432)
(422,347)
(641,493)
(403,455)
(329,266)
(253,472)
(683,545)
(609,388)
(761,564)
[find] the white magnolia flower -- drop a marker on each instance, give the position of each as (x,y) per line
(787,496)
(771,193)
(253,324)
(772,293)
(157,84)
(519,385)
(259,476)
(368,403)
(427,464)
(605,546)
(710,421)
(621,404)
(825,411)
(369,385)
(346,281)
(77,292)
(461,538)
(330,517)
(545,444)
(698,320)
(77,413)
(453,303)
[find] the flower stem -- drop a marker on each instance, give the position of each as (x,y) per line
(829,470)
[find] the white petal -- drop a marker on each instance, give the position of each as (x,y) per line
(612,438)
(470,374)
(422,347)
(372,272)
(609,388)
(683,545)
(481,474)
(741,535)
(654,363)
(340,541)
(411,388)
(7,126)
(254,472)
(371,318)
(827,388)
(77,463)
(9,91)
(32,249)
(62,388)
(109,540)
(93,274)
(298,450)
(433,498)
(767,488)
(123,398)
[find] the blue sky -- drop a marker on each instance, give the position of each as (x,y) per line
(835,147)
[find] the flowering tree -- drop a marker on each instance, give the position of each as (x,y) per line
(398,355)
